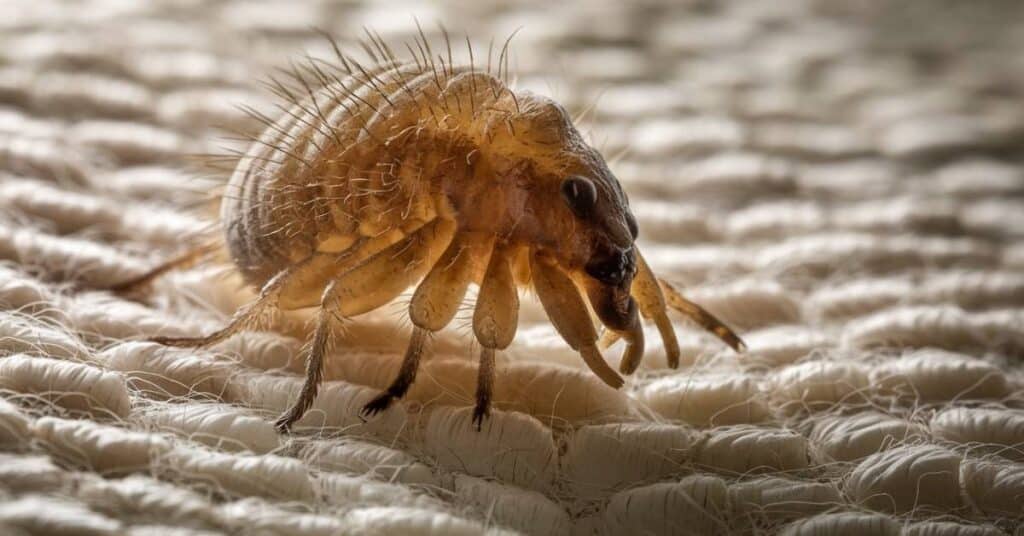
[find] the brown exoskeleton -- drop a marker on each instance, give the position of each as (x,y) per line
(426,174)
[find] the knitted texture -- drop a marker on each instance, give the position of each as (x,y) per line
(840,181)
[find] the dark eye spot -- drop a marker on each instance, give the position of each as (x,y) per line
(634,230)
(580,194)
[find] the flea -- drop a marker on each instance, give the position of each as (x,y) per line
(419,172)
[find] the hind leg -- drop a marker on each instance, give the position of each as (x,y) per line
(245,318)
(185,260)
(367,286)
(325,325)
(302,284)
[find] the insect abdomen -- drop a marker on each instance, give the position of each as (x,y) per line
(319,179)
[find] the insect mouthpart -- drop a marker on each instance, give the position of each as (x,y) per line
(615,269)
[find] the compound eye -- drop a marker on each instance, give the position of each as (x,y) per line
(580,194)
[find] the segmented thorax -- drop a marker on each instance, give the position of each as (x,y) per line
(363,159)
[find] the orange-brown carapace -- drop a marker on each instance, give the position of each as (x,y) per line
(424,174)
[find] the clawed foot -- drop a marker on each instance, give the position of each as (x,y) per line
(283,424)
(377,405)
(479,414)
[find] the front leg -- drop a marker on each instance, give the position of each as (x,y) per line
(649,297)
(568,312)
(654,296)
(495,320)
(703,318)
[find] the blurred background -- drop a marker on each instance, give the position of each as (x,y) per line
(883,87)
(840,180)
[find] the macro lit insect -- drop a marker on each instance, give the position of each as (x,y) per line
(427,174)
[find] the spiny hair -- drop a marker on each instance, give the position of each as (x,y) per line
(367,181)
(298,84)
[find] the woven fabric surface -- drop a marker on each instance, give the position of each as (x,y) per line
(840,181)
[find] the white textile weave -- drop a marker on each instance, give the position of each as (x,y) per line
(840,181)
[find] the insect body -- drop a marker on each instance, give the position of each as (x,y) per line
(430,175)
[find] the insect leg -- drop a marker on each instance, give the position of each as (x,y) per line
(634,350)
(370,284)
(619,314)
(433,305)
(353,292)
(439,295)
(567,311)
(406,375)
(651,300)
(703,318)
(189,258)
(245,317)
(314,361)
(383,276)
(484,387)
(495,320)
